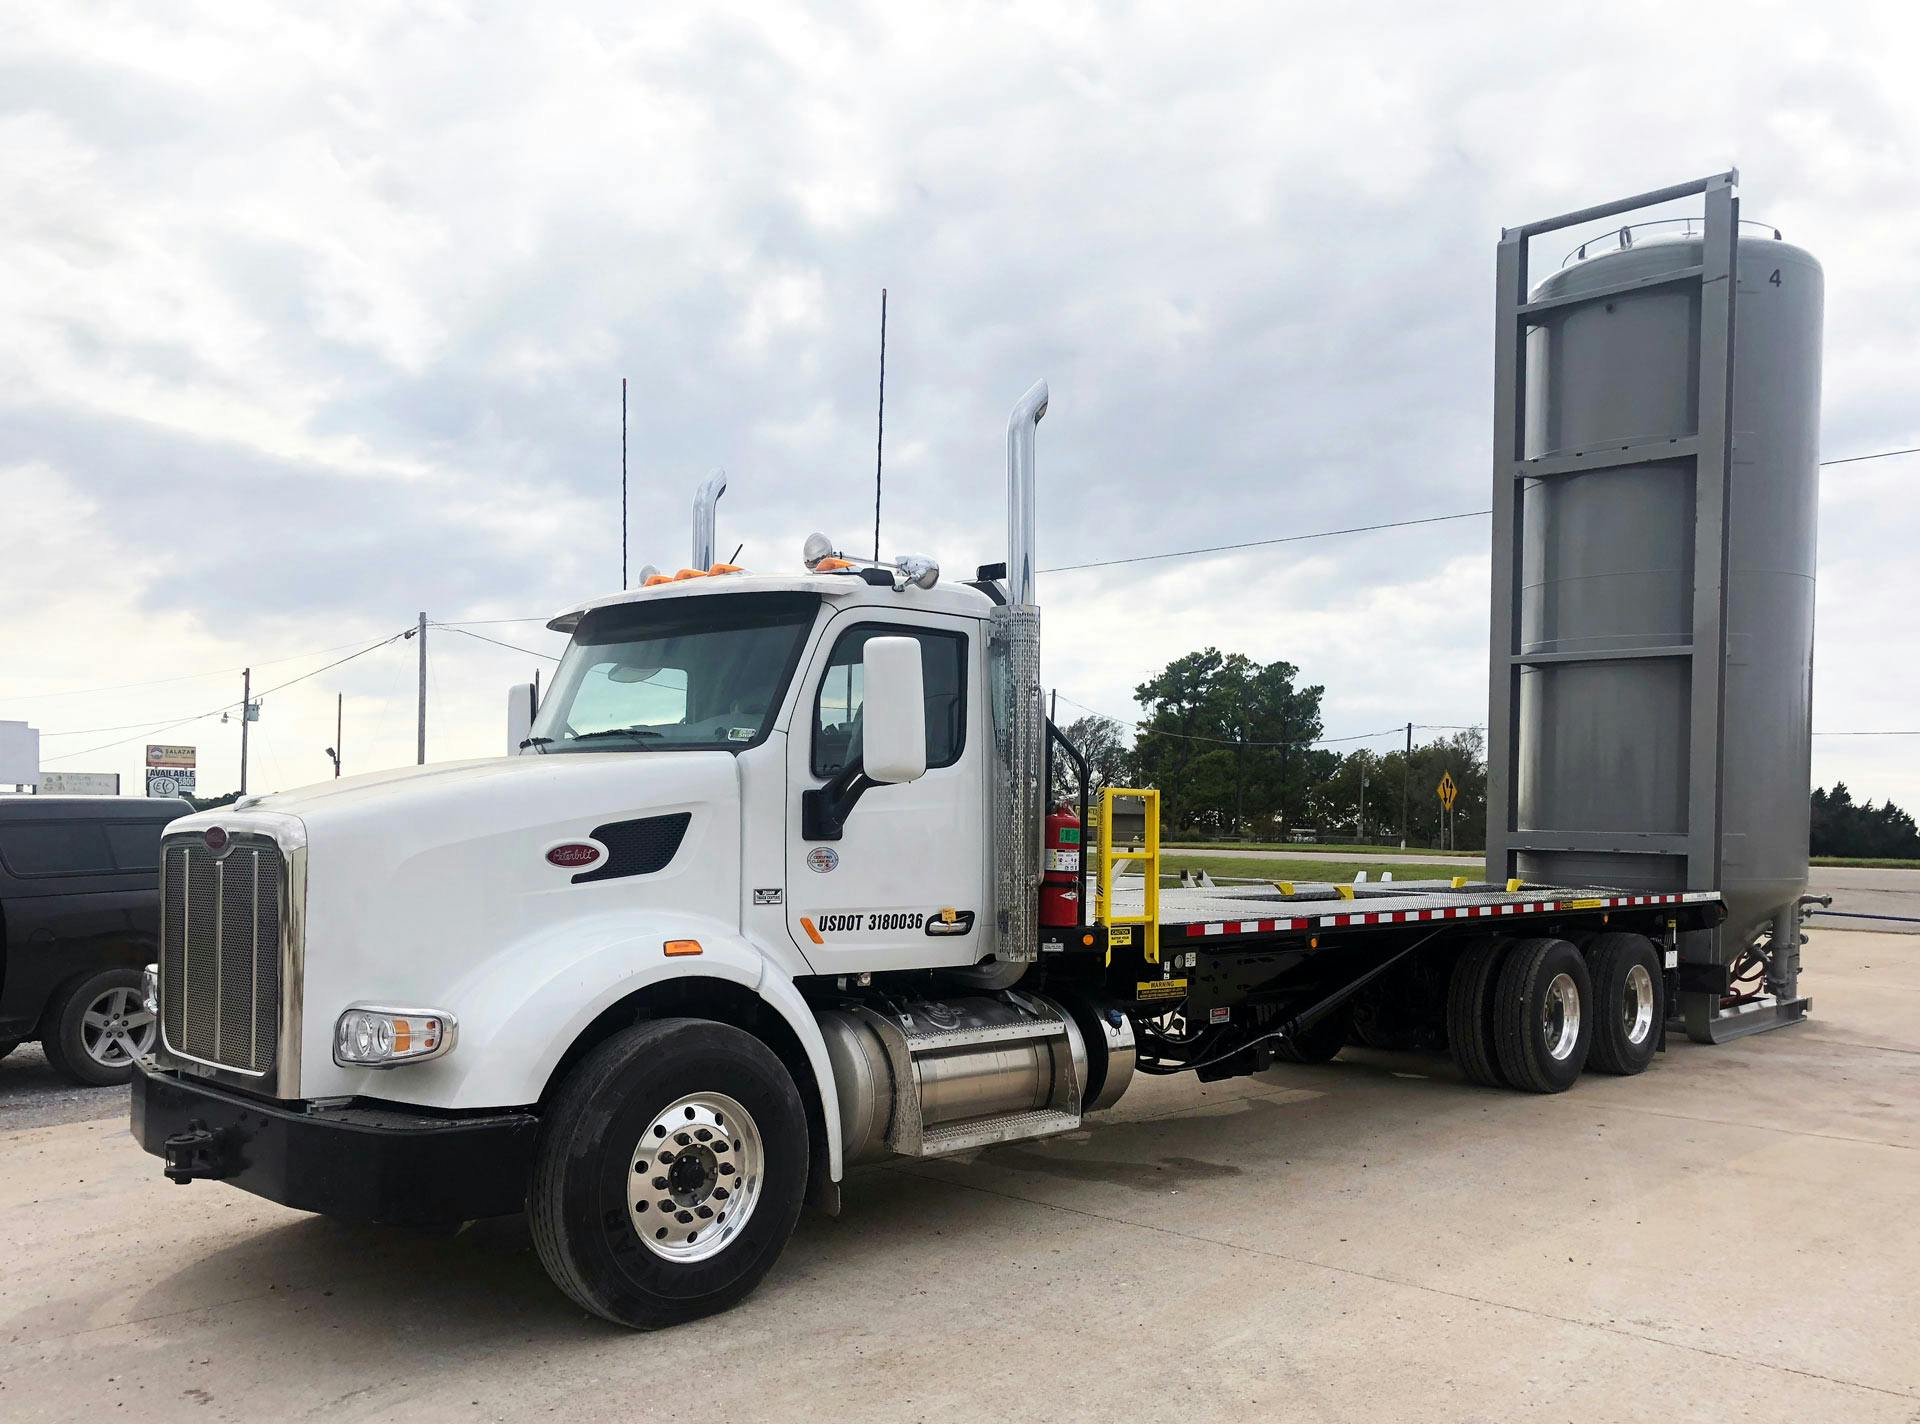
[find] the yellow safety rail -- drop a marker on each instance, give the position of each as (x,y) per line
(1119,929)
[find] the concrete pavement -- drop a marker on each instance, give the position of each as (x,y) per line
(1728,1236)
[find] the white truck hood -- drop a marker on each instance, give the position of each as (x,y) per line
(422,884)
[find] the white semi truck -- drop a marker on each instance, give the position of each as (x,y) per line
(758,899)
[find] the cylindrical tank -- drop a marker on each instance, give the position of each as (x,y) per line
(1607,563)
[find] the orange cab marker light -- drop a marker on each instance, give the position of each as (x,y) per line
(726,569)
(402,1035)
(832,566)
(653,579)
(689,573)
(682,946)
(812,933)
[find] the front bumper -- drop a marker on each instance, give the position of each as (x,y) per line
(368,1164)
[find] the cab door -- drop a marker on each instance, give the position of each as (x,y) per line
(905,884)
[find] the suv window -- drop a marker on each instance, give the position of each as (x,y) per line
(55,848)
(135,844)
(837,705)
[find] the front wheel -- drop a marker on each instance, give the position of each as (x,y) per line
(669,1172)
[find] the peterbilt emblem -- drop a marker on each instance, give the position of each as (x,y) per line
(573,855)
(822,859)
(217,839)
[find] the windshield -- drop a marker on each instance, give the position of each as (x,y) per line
(674,674)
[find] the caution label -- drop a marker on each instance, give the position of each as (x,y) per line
(1160,989)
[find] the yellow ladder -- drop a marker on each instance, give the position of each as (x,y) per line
(1149,858)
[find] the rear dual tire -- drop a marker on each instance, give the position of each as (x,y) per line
(1519,1014)
(1629,991)
(669,1172)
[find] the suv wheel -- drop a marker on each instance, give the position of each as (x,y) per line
(97,1027)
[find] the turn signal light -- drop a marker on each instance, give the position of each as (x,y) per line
(682,946)
(385,1038)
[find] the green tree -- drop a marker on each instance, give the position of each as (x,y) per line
(1103,742)
(1228,741)
(1839,827)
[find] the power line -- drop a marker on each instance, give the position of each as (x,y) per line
(182,677)
(229,706)
(512,647)
(1145,730)
(1877,455)
(1267,543)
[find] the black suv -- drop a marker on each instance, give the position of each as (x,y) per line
(79,917)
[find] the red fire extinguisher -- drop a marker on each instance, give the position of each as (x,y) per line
(1060,885)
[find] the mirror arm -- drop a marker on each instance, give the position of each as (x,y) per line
(824,809)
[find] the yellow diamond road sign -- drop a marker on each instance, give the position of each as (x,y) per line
(1446,790)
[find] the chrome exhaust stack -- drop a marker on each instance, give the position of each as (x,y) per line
(706,503)
(1021,519)
(1020,729)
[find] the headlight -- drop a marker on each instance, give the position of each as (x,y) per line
(367,1037)
(150,989)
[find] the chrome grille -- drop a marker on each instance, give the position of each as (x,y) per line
(220,951)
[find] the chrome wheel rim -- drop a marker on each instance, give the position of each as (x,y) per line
(1636,1004)
(116,1029)
(695,1177)
(1560,1017)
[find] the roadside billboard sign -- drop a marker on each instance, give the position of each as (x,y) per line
(79,783)
(163,755)
(169,781)
(19,754)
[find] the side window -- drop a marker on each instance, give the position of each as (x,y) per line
(836,708)
(135,844)
(55,848)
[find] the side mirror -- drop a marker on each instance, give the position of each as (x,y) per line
(519,716)
(894,717)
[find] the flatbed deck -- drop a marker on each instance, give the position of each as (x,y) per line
(1264,908)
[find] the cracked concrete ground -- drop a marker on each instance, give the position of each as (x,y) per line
(1729,1236)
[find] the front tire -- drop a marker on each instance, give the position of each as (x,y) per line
(669,1173)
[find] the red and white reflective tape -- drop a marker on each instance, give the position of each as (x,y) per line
(1227,927)
(1442,912)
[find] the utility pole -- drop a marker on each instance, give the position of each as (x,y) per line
(420,756)
(1360,820)
(339,705)
(246,711)
(1406,786)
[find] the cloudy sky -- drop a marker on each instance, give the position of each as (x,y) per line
(316,319)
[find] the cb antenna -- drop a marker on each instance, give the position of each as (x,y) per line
(623,484)
(880,438)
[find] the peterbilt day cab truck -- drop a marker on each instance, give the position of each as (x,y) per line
(758,900)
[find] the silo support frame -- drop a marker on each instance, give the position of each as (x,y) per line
(1709,450)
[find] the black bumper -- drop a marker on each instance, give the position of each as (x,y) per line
(382,1165)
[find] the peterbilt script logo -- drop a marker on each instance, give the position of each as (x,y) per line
(573,854)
